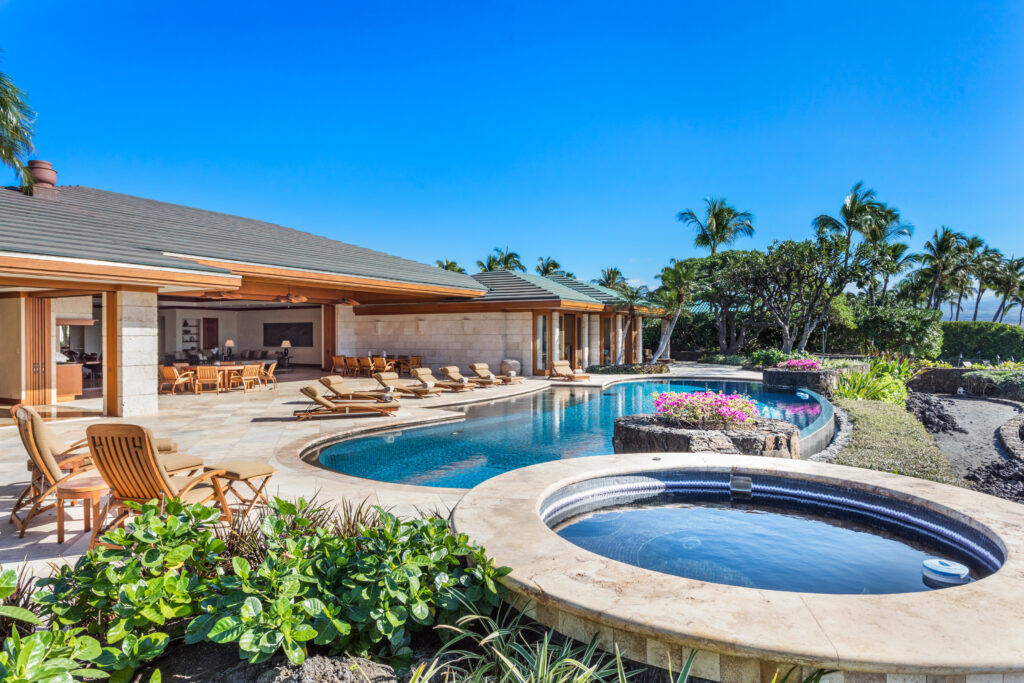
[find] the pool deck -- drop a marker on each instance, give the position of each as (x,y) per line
(259,426)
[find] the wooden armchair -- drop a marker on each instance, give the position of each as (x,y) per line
(206,376)
(172,378)
(248,378)
(267,375)
(365,367)
(338,365)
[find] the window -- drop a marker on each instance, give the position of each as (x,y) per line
(540,343)
(607,342)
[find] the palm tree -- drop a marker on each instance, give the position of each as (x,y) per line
(879,236)
(629,298)
(16,120)
(862,214)
(611,278)
(449,265)
(895,261)
(941,257)
(985,269)
(973,248)
(676,284)
(1008,283)
(548,266)
(722,224)
(502,259)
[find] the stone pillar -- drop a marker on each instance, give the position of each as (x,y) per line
(345,331)
(638,330)
(619,341)
(594,345)
(585,341)
(130,332)
(556,338)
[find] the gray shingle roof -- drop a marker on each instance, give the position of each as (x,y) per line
(95,224)
(506,285)
(597,292)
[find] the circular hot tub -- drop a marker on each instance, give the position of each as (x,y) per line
(759,562)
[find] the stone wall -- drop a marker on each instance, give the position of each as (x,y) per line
(940,380)
(822,381)
(441,338)
(644,434)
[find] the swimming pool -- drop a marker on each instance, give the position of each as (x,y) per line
(562,422)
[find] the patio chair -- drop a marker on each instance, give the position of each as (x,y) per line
(453,374)
(561,369)
(248,378)
(342,390)
(415,362)
(483,371)
(352,366)
(381,364)
(126,456)
(172,378)
(365,367)
(321,406)
(207,375)
(338,365)
(267,375)
(52,462)
(427,379)
(390,379)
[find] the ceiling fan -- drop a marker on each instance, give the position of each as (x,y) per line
(220,296)
(290,298)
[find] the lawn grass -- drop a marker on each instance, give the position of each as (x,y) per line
(888,438)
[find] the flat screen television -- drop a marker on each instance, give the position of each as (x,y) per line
(299,334)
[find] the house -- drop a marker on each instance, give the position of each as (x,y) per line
(109,286)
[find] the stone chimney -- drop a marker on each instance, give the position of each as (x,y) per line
(45,177)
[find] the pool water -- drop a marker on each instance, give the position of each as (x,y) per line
(742,545)
(561,422)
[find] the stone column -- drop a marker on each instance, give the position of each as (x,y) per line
(345,331)
(556,338)
(638,329)
(585,341)
(132,321)
(619,341)
(594,347)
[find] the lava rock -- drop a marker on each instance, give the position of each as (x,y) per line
(1002,478)
(316,669)
(932,414)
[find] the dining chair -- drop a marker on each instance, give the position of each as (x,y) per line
(338,365)
(352,365)
(207,375)
(365,367)
(266,375)
(172,378)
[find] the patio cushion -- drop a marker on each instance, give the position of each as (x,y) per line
(196,495)
(165,445)
(174,462)
(243,469)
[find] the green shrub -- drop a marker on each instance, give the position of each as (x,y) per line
(885,380)
(652,369)
(720,359)
(1005,383)
(984,340)
(890,329)
(770,358)
(50,656)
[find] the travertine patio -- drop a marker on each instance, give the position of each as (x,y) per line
(259,426)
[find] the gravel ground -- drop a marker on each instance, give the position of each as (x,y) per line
(979,444)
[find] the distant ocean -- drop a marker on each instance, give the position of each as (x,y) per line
(985,311)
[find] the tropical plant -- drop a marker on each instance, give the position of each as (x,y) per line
(885,380)
(16,604)
(50,656)
(677,281)
(861,214)
(16,129)
(723,281)
(942,257)
(800,364)
(630,298)
(703,409)
(893,260)
(449,265)
(1008,282)
(771,358)
(982,340)
(502,259)
(611,278)
(548,266)
(721,225)
(984,268)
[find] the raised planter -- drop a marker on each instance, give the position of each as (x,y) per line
(1010,434)
(645,434)
(940,380)
(823,381)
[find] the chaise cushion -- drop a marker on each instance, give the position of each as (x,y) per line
(196,495)
(165,445)
(175,462)
(243,469)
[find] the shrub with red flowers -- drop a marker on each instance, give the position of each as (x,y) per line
(705,409)
(800,364)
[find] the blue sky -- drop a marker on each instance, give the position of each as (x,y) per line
(441,130)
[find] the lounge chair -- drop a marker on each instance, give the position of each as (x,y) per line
(321,406)
(453,374)
(427,379)
(267,375)
(483,371)
(52,462)
(340,389)
(561,369)
(126,455)
(390,380)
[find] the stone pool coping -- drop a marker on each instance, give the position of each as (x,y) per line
(966,630)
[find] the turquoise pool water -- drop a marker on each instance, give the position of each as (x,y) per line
(558,423)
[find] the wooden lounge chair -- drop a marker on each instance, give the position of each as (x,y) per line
(52,462)
(172,377)
(483,371)
(561,369)
(126,456)
(267,375)
(427,379)
(453,374)
(390,379)
(340,389)
(206,376)
(249,378)
(321,406)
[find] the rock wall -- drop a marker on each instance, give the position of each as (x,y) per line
(940,380)
(822,381)
(644,434)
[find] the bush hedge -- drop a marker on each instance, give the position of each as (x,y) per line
(652,369)
(1004,383)
(890,329)
(984,340)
